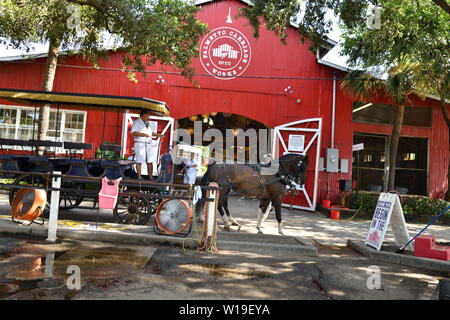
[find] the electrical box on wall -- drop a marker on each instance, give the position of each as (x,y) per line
(332,160)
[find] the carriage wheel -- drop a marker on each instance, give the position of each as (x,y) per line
(154,202)
(173,216)
(132,210)
(70,199)
(30,180)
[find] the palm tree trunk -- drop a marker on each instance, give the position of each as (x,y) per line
(49,77)
(399,112)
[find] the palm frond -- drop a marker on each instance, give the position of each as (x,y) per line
(361,85)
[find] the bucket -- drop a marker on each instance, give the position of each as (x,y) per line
(107,198)
(334,214)
(326,203)
(107,202)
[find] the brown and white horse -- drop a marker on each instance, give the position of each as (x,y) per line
(246,181)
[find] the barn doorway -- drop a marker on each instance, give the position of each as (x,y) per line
(226,123)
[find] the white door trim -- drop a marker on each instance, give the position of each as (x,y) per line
(277,137)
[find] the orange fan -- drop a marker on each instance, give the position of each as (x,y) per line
(173,216)
(28,204)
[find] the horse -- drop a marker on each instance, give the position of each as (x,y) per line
(244,180)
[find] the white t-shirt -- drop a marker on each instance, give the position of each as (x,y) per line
(143,127)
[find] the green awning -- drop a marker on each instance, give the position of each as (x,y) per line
(32,97)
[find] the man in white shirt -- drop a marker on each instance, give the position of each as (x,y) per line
(143,134)
(190,170)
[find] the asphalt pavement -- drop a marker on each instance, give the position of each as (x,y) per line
(311,262)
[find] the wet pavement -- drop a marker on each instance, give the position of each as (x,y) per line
(31,269)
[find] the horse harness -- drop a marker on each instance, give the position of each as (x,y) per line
(284,178)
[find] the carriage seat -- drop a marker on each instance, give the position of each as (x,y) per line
(14,142)
(77,146)
(110,147)
(108,151)
(72,148)
(45,143)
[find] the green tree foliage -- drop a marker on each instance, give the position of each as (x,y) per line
(147,31)
(160,30)
(313,16)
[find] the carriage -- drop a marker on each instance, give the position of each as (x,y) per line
(31,163)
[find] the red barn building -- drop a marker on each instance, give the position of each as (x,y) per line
(253,83)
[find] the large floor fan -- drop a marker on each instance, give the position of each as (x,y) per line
(173,217)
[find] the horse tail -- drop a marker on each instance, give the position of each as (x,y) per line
(199,207)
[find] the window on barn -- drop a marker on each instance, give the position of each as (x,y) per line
(370,166)
(65,125)
(377,113)
(8,119)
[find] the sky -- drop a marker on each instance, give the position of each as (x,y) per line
(7,52)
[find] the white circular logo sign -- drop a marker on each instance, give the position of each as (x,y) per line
(225,53)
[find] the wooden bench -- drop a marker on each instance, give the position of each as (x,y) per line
(110,147)
(77,146)
(45,143)
(14,142)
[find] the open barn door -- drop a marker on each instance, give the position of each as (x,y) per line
(302,137)
(163,125)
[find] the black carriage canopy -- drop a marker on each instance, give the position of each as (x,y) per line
(32,97)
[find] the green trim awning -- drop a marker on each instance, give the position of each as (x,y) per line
(32,97)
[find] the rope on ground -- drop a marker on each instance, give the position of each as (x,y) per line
(355,213)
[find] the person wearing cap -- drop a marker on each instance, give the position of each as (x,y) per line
(142,133)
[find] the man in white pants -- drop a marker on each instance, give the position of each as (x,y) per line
(143,134)
(190,170)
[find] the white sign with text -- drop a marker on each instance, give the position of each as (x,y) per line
(296,143)
(358,147)
(388,211)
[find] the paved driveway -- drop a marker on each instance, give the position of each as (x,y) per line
(316,226)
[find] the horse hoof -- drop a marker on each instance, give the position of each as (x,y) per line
(227,228)
(235,223)
(259,232)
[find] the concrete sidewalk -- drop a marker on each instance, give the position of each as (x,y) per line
(145,235)
(304,230)
(318,227)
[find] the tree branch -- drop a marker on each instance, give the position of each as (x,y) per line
(443,4)
(444,111)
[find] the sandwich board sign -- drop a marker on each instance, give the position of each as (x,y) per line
(387,212)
